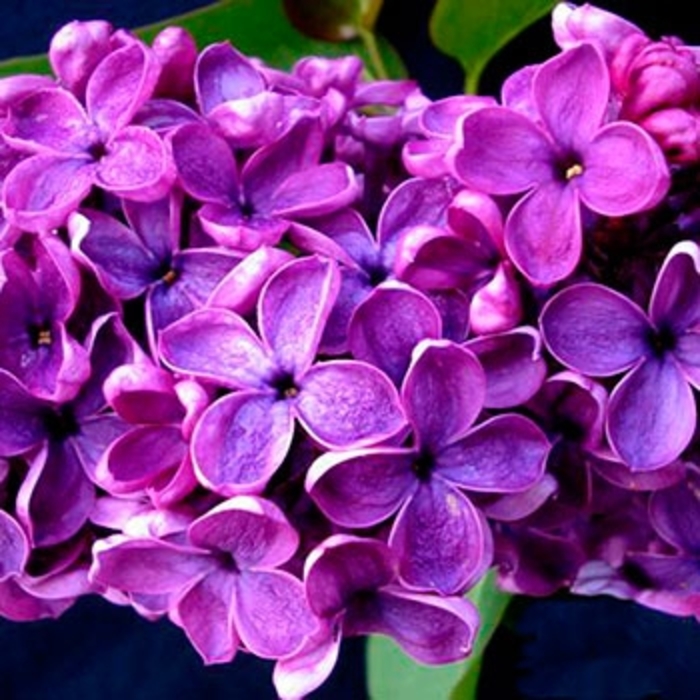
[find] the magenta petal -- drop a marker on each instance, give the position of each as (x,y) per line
(56,497)
(301,673)
(216,345)
(441,540)
(514,366)
(252,530)
(543,233)
(506,453)
(594,330)
(432,630)
(205,164)
(347,404)
(675,301)
(675,514)
(124,266)
(687,354)
(205,612)
(651,415)
(443,392)
(139,457)
(502,152)
(293,309)
(41,191)
(388,324)
(137,165)
(148,566)
(316,191)
(240,441)
(361,488)
(623,171)
(49,120)
(14,547)
(271,613)
(121,83)
(223,74)
(571,92)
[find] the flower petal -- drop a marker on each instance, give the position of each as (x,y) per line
(347,404)
(543,233)
(253,530)
(216,345)
(272,615)
(502,152)
(14,547)
(240,441)
(205,612)
(594,330)
(506,453)
(293,309)
(443,392)
(624,171)
(651,415)
(442,541)
(361,488)
(388,324)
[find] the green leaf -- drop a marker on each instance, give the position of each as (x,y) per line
(392,674)
(257,28)
(473,31)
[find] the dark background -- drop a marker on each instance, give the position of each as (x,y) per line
(561,648)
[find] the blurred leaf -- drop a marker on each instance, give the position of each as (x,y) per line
(392,674)
(473,31)
(257,28)
(333,20)
(492,604)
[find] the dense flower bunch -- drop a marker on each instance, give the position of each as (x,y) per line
(293,356)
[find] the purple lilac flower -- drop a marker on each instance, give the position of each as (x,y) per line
(226,587)
(279,183)
(596,331)
(351,583)
(570,157)
(243,437)
(35,303)
(145,257)
(62,441)
(442,540)
(74,147)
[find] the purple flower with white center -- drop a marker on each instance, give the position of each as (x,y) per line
(571,158)
(598,332)
(145,257)
(35,304)
(75,147)
(351,584)
(243,437)
(442,540)
(227,590)
(282,181)
(62,441)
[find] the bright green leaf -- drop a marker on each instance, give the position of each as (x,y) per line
(257,28)
(392,674)
(473,31)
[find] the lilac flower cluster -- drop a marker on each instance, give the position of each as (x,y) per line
(293,356)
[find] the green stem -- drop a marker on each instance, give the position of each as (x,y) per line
(471,81)
(377,64)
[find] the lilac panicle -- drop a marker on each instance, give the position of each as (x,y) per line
(568,158)
(598,332)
